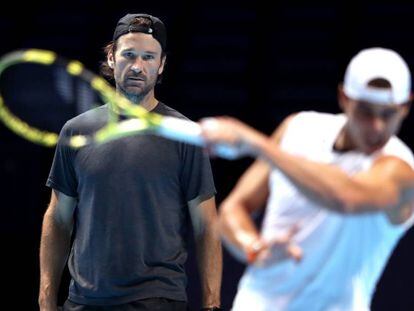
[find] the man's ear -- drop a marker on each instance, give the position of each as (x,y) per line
(342,98)
(161,68)
(407,106)
(110,59)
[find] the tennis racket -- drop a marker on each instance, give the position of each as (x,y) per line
(39,132)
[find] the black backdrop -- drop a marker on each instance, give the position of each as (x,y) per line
(258,62)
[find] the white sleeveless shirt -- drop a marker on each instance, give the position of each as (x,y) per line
(344,255)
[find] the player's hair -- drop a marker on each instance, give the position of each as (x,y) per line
(380,83)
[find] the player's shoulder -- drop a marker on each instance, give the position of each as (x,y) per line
(307,127)
(315,116)
(93,118)
(165,110)
(313,120)
(397,148)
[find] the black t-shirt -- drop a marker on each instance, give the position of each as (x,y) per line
(131,216)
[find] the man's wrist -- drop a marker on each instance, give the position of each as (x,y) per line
(46,301)
(253,250)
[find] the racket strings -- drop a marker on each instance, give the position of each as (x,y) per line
(22,128)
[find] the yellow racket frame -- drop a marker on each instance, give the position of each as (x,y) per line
(117,102)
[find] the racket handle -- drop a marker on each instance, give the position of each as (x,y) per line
(180,130)
(190,132)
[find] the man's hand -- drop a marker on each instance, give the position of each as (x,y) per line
(225,132)
(261,252)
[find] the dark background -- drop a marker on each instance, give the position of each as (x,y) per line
(258,62)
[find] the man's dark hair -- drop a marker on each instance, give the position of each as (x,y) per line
(380,83)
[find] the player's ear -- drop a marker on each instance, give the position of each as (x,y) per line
(407,106)
(342,98)
(110,59)
(163,61)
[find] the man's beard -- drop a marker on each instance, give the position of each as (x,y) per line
(133,97)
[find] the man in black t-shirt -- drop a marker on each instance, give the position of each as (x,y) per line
(127,202)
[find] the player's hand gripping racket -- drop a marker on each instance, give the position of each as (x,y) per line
(63,77)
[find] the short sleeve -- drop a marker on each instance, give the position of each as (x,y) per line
(196,175)
(62,176)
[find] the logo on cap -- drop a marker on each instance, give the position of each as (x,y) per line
(128,24)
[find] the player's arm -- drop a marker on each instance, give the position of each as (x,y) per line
(54,247)
(208,246)
(249,195)
(387,186)
(391,183)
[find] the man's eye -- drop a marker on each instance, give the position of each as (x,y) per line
(129,55)
(148,57)
(388,114)
(365,112)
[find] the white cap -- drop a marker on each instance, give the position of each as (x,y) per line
(378,63)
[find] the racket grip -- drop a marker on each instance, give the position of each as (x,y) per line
(190,132)
(181,130)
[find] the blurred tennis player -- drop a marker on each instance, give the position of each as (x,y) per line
(339,192)
(126,201)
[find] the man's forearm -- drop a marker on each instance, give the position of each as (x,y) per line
(210,263)
(237,228)
(54,250)
(328,184)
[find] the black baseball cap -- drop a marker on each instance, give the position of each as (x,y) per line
(156,28)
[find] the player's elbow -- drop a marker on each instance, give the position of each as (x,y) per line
(230,212)
(232,205)
(227,208)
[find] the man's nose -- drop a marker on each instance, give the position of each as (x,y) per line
(378,124)
(137,65)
